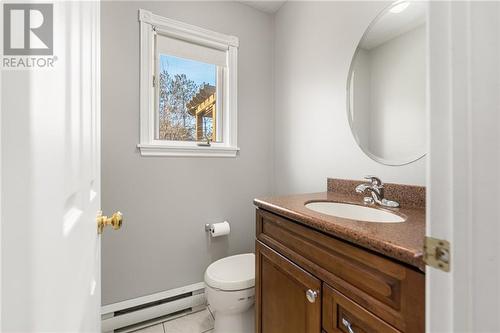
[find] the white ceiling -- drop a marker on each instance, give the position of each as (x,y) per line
(270,7)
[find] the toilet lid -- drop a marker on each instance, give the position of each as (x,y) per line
(232,273)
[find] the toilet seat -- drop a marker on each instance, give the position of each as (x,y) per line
(232,273)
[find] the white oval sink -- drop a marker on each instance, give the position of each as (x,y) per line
(354,212)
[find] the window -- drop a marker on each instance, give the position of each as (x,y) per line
(188,90)
(187,100)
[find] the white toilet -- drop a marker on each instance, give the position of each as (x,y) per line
(230,288)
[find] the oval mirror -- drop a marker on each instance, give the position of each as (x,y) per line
(386,89)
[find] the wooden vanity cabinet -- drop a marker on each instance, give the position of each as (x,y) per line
(282,300)
(340,313)
(310,282)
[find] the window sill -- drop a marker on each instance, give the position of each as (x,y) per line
(187,151)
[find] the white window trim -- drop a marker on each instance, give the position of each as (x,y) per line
(148,145)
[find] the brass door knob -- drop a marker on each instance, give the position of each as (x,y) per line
(115,221)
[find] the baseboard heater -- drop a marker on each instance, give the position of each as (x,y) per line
(120,315)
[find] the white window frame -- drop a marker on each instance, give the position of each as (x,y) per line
(149,146)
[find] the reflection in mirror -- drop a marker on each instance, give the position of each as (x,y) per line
(387,85)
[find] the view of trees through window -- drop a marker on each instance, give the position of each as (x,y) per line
(187,100)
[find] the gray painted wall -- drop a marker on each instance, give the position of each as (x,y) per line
(293,134)
(314,45)
(167,201)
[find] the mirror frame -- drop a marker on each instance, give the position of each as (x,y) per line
(348,95)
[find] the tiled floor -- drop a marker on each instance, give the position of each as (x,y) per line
(198,322)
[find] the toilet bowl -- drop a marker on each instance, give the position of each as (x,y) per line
(230,290)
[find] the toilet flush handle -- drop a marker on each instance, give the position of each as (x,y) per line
(311,295)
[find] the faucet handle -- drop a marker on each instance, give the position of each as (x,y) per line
(374,180)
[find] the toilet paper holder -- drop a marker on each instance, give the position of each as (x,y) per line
(218,229)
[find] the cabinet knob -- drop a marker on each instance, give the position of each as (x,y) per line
(347,325)
(312,295)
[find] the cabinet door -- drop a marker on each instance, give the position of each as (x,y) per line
(341,315)
(288,298)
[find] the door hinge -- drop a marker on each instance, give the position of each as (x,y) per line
(154,81)
(437,253)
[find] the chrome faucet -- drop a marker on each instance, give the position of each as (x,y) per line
(376,189)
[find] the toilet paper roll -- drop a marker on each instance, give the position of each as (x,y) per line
(220,229)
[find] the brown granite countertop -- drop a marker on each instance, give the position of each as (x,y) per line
(401,241)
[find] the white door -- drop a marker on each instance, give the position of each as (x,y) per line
(51,183)
(464,163)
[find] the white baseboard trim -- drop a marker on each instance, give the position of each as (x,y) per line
(123,314)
